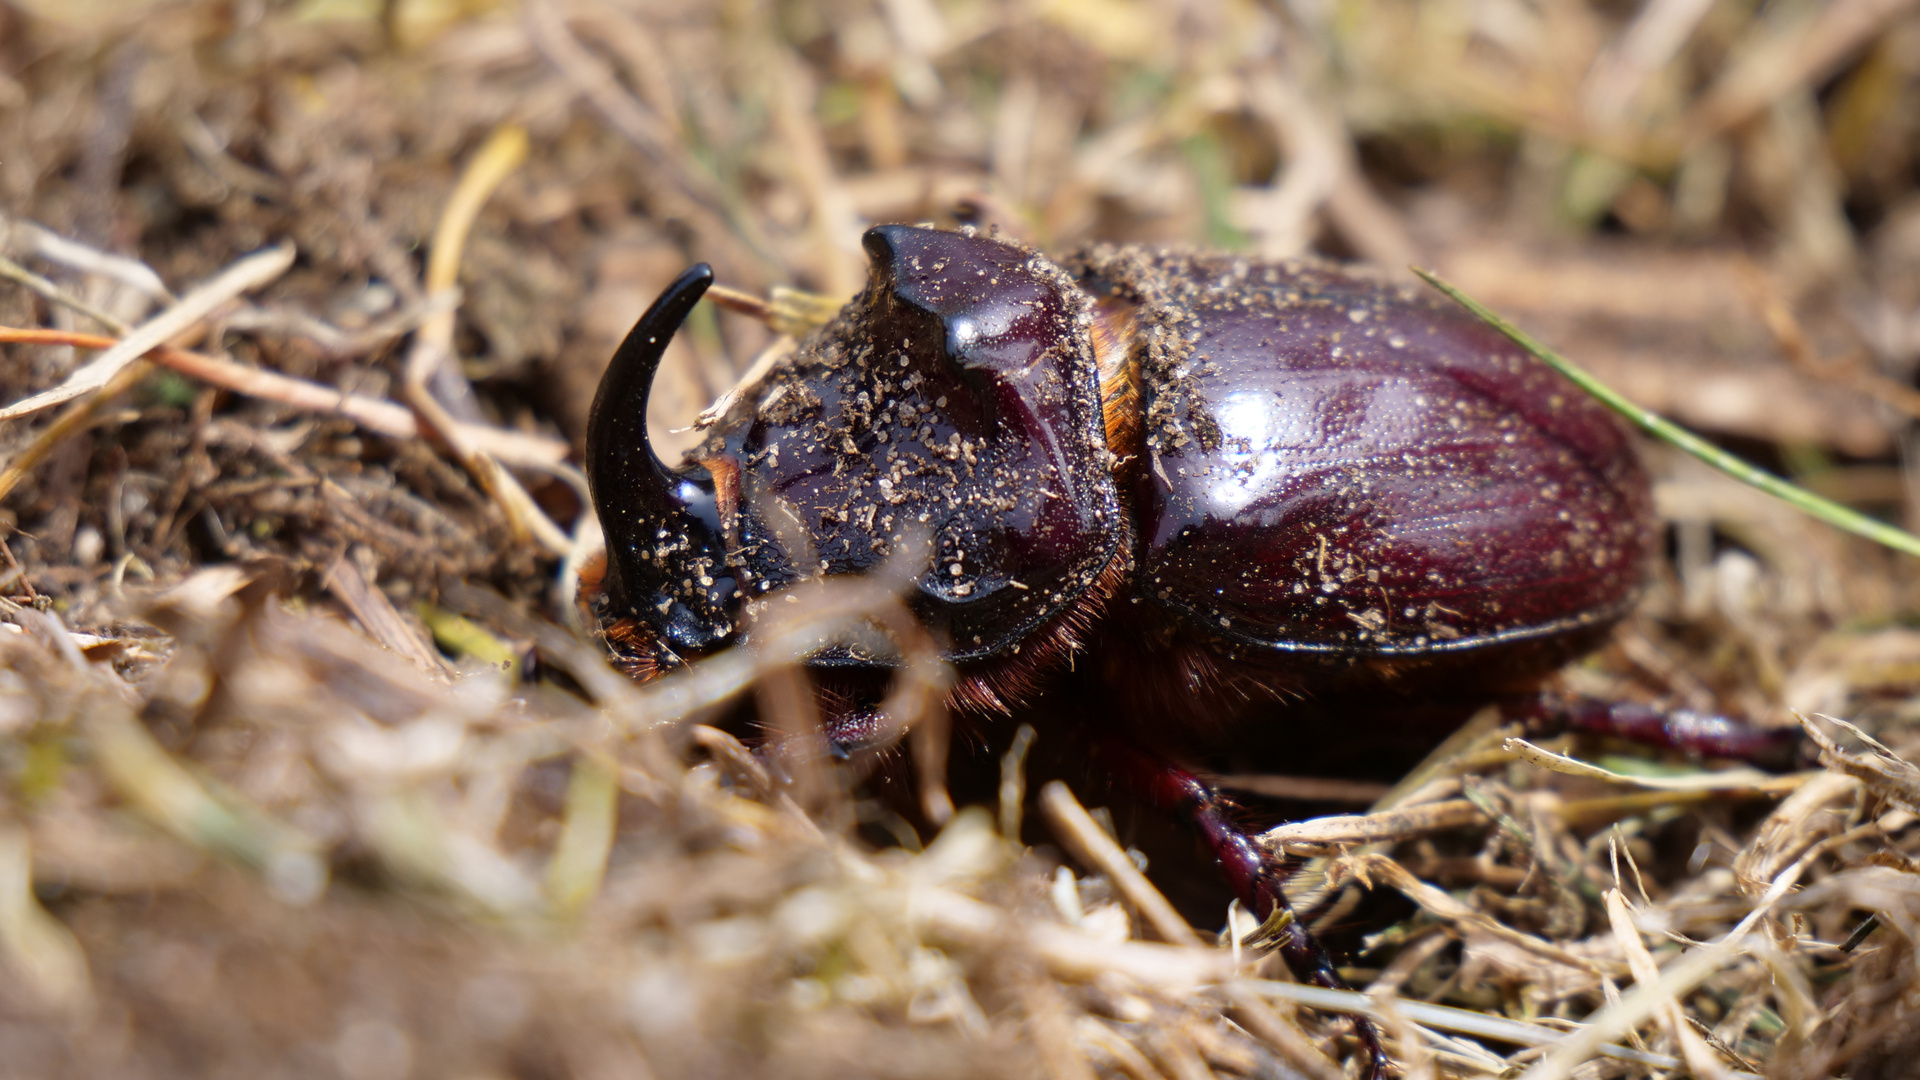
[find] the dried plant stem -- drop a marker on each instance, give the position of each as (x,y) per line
(1084,837)
(433,345)
(1462,1021)
(1067,953)
(1259,1017)
(38,947)
(1732,780)
(1878,767)
(1121,1055)
(249,273)
(1699,1056)
(22,276)
(741,303)
(150,779)
(1799,56)
(55,248)
(1673,434)
(1447,908)
(1305,788)
(1050,1025)
(1581,1045)
(69,423)
(586,835)
(1315,835)
(1013,782)
(375,414)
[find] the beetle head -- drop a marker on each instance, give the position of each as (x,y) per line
(954,401)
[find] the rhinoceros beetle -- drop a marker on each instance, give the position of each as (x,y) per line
(1206,482)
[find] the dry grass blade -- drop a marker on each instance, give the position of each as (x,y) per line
(20,275)
(55,248)
(39,949)
(431,361)
(249,273)
(586,835)
(378,616)
(1738,779)
(1878,767)
(1086,840)
(1680,977)
(1068,954)
(1370,868)
(1119,1055)
(1051,1027)
(1795,56)
(1260,1018)
(1316,836)
(72,421)
(151,780)
(1820,809)
(1462,1021)
(1700,1058)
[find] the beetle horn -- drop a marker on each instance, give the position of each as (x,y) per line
(645,506)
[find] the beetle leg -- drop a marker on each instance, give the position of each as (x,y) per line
(1696,733)
(1254,872)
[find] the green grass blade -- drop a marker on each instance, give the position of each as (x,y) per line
(1674,435)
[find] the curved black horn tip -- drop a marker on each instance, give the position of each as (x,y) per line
(669,309)
(618,414)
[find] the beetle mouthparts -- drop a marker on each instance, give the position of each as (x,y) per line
(666,555)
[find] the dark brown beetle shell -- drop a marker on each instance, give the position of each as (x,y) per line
(1286,460)
(1333,466)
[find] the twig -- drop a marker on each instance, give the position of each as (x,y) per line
(1674,435)
(375,414)
(20,275)
(433,344)
(55,248)
(249,273)
(1316,834)
(1305,788)
(74,420)
(1078,831)
(1260,1018)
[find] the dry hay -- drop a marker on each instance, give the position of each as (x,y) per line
(302,777)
